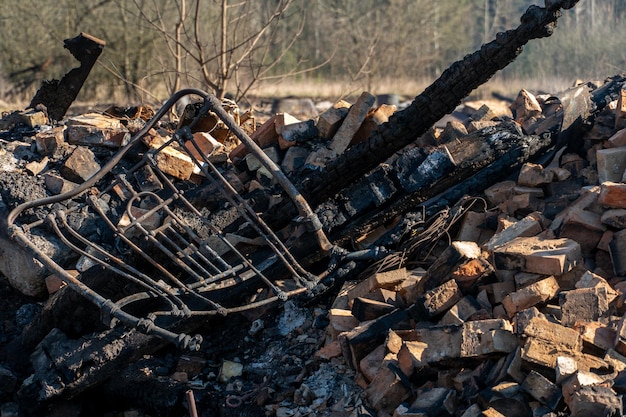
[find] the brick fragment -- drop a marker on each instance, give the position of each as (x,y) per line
(531,295)
(441,298)
(538,255)
(613,194)
(542,389)
(328,122)
(80,165)
(585,304)
(352,122)
(48,141)
(534,175)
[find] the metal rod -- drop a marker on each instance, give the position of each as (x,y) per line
(191,402)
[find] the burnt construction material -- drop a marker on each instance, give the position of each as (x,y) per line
(57,95)
(439,99)
(173,269)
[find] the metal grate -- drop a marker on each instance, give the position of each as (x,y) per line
(174,269)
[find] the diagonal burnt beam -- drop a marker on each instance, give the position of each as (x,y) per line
(57,95)
(439,99)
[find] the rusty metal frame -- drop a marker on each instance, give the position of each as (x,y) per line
(193,270)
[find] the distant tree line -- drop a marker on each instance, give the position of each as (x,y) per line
(231,46)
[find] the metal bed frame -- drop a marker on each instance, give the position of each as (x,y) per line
(181,271)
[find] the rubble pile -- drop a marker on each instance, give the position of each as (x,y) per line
(520,313)
(373,259)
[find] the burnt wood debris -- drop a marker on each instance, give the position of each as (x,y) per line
(472,268)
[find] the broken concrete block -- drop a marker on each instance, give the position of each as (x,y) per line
(434,344)
(352,122)
(25,273)
(578,380)
(588,200)
(97,120)
(531,295)
(620,337)
(341,321)
(318,158)
(364,309)
(461,311)
(473,228)
(560,174)
(538,255)
(541,329)
(611,164)
(616,360)
(80,165)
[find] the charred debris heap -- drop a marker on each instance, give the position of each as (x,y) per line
(479,265)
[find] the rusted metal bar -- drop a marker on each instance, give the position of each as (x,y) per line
(191,402)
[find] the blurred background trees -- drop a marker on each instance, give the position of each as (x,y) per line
(240,47)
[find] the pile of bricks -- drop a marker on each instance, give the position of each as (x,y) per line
(523,313)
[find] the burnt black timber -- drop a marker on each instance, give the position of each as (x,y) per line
(504,150)
(439,99)
(57,96)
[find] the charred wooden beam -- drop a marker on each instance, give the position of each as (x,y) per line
(436,101)
(57,95)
